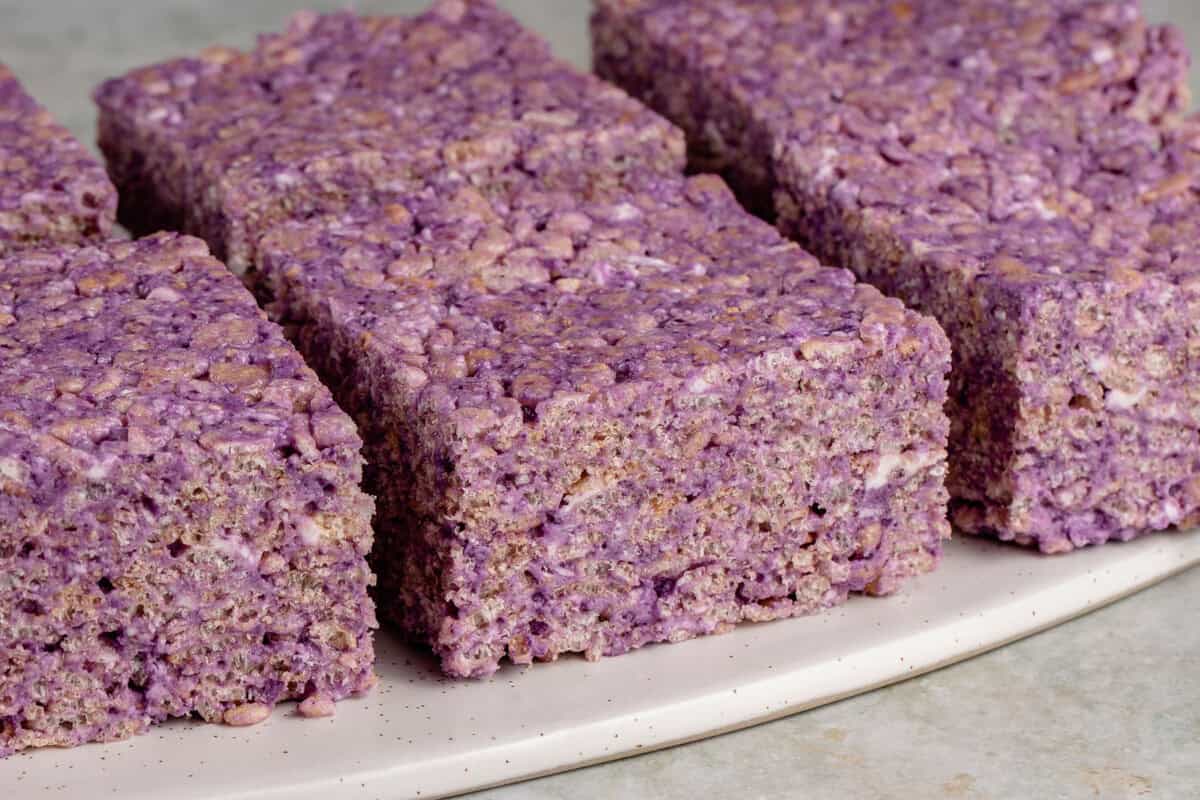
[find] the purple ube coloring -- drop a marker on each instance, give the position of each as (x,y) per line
(341,110)
(602,405)
(601,418)
(183,529)
(1019,170)
(51,189)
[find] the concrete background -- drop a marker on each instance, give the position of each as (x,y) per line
(1104,707)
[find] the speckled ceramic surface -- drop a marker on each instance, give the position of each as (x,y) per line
(420,735)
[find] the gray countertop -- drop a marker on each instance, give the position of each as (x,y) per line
(1107,706)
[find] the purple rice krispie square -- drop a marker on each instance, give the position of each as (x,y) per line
(601,416)
(1017,170)
(340,110)
(51,189)
(184,531)
(743,77)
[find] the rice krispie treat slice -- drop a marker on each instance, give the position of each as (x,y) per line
(184,531)
(599,418)
(51,189)
(341,109)
(1016,170)
(743,78)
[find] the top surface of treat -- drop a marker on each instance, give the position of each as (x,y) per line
(1022,140)
(419,88)
(47,179)
(1094,51)
(1072,45)
(120,352)
(526,293)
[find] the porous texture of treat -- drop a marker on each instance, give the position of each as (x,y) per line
(746,77)
(1019,170)
(341,110)
(607,416)
(51,189)
(183,531)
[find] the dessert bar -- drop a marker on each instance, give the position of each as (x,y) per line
(183,530)
(51,189)
(1018,170)
(602,416)
(342,110)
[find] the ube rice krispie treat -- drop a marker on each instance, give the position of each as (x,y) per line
(184,531)
(51,189)
(341,110)
(748,77)
(605,417)
(1018,171)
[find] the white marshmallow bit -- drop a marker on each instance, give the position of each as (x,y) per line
(908,463)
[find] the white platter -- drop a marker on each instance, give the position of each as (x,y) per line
(419,735)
